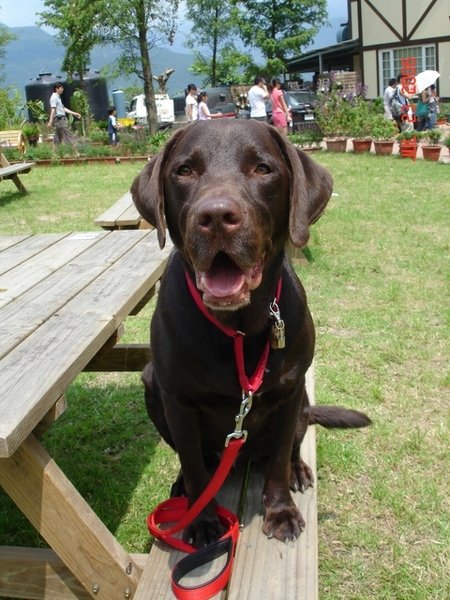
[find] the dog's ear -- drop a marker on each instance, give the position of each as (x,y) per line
(148,190)
(311,187)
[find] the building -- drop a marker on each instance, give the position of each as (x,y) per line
(379,33)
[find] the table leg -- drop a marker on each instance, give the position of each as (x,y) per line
(60,514)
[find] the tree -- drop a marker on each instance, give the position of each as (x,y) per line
(279,28)
(212,27)
(229,67)
(136,26)
(75,22)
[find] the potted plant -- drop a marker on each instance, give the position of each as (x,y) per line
(383,132)
(360,125)
(333,115)
(31,132)
(408,143)
(432,150)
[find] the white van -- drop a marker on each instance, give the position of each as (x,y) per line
(164,109)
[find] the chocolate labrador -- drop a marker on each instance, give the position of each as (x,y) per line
(231,193)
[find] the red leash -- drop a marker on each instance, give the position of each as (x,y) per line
(177,509)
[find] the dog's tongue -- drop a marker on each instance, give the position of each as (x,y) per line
(223,280)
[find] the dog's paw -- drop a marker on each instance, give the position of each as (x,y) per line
(301,476)
(283,522)
(204,530)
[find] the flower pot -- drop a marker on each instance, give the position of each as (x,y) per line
(431,152)
(336,145)
(361,146)
(383,147)
(408,149)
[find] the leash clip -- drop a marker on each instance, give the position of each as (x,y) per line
(238,433)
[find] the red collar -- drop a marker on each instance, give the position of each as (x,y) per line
(248,384)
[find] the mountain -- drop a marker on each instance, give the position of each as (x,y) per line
(36,51)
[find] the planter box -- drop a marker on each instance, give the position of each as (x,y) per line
(431,152)
(361,146)
(383,147)
(408,149)
(336,145)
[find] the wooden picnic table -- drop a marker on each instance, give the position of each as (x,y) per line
(63,300)
(62,297)
(123,214)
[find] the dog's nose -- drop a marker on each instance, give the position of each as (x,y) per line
(215,214)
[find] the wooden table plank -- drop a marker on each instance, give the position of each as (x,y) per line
(114,213)
(6,241)
(69,339)
(16,254)
(23,316)
(39,267)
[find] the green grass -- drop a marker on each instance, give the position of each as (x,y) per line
(377,287)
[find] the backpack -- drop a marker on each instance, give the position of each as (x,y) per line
(396,106)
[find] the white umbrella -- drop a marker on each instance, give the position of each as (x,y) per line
(425,79)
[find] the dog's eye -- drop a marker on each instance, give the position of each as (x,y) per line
(184,171)
(262,169)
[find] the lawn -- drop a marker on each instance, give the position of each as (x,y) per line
(376,283)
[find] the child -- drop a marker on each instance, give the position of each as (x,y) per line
(203,110)
(112,126)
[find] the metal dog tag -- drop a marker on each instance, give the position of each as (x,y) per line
(277,337)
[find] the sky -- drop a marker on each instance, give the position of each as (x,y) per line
(21,14)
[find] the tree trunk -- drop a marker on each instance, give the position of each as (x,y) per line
(148,79)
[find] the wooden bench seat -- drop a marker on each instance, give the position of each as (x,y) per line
(8,171)
(123,214)
(263,569)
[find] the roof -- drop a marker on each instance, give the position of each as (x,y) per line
(325,59)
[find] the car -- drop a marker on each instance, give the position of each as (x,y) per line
(301,104)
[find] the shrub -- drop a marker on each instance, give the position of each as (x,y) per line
(157,141)
(432,136)
(382,129)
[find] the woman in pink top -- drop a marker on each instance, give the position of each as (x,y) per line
(280,111)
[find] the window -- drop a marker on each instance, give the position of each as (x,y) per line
(390,63)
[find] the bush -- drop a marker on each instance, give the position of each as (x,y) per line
(432,136)
(382,129)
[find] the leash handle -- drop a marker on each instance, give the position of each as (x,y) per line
(225,545)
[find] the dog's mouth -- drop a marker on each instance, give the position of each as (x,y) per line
(225,285)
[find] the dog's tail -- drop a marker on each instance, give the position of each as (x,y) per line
(335,416)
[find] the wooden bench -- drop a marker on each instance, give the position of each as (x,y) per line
(123,214)
(263,569)
(12,138)
(8,171)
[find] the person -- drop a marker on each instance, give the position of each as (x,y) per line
(257,96)
(280,111)
(405,120)
(203,110)
(191,103)
(113,126)
(387,97)
(58,117)
(433,107)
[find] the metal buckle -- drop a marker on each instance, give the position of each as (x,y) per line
(238,433)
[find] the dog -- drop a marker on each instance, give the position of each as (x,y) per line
(231,193)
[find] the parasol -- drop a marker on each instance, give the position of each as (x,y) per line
(425,79)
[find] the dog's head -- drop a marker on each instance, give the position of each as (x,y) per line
(231,192)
